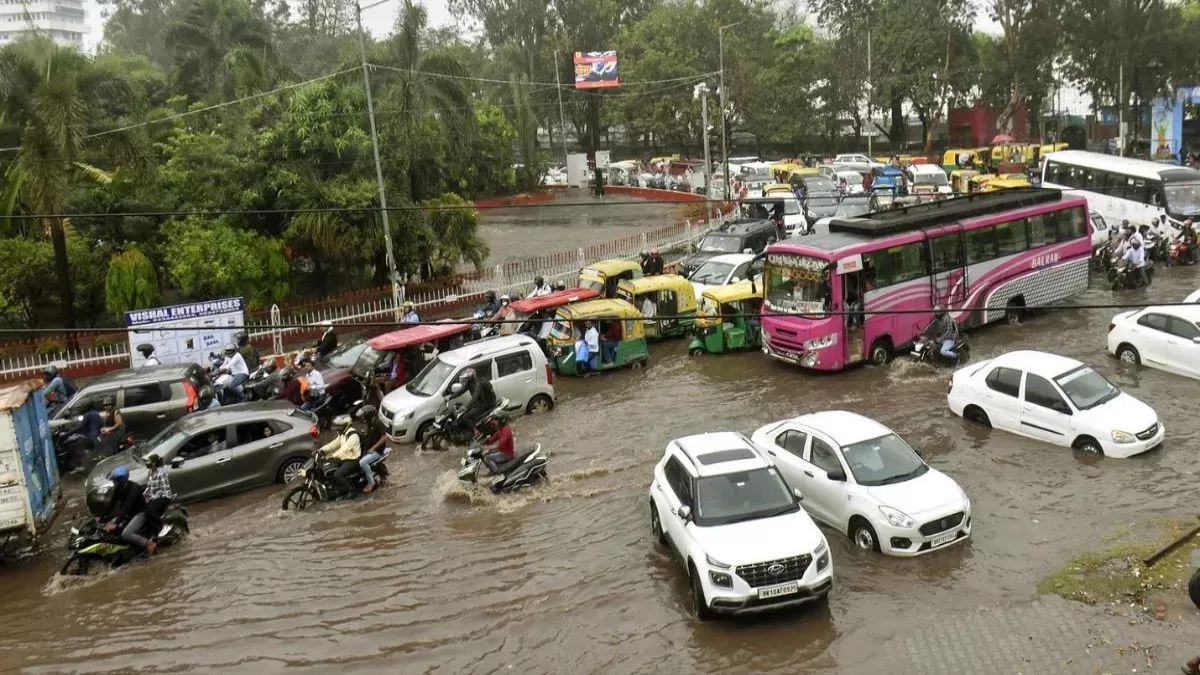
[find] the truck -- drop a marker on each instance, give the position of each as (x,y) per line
(30,489)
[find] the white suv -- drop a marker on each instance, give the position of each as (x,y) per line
(740,532)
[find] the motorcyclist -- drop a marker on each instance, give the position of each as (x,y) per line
(238,372)
(147,352)
(58,389)
(654,263)
(504,302)
(410,313)
(248,351)
(293,387)
(205,399)
(943,329)
(375,442)
(540,288)
(346,450)
(1135,257)
(328,341)
(158,496)
(316,385)
(483,396)
(491,304)
(498,448)
(126,504)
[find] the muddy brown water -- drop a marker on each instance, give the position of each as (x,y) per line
(431,576)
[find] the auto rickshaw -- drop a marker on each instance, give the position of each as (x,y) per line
(396,357)
(526,316)
(959,179)
(742,303)
(604,276)
(977,182)
(1007,182)
(665,295)
(963,158)
(777,187)
(781,170)
(622,336)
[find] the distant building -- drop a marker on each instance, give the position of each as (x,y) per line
(64,21)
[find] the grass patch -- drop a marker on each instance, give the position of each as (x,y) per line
(1114,573)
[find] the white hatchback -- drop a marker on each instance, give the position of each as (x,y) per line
(1167,338)
(860,478)
(726,269)
(1054,399)
(737,528)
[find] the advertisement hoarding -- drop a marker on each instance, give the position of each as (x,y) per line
(184,333)
(595,70)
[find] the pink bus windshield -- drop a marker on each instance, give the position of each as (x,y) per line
(797,284)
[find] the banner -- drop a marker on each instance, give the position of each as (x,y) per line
(184,333)
(1166,127)
(595,70)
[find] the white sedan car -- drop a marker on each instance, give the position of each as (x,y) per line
(1194,296)
(1167,338)
(860,478)
(1054,399)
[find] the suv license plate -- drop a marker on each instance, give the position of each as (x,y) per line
(943,539)
(776,591)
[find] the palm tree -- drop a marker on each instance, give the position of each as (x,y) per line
(222,49)
(55,95)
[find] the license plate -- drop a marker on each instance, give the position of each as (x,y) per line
(776,591)
(942,540)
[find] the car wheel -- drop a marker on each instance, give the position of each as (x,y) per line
(539,404)
(289,470)
(1013,314)
(1129,354)
(864,536)
(298,498)
(881,352)
(656,525)
(422,430)
(435,440)
(700,607)
(696,351)
(976,414)
(1089,445)
(1194,588)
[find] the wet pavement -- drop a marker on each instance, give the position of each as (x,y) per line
(433,576)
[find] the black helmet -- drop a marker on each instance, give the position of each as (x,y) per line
(490,296)
(467,376)
(50,372)
(146,349)
(205,396)
(241,338)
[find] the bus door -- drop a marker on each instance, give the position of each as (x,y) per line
(947,264)
(851,291)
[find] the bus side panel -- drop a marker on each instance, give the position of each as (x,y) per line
(910,296)
(1039,287)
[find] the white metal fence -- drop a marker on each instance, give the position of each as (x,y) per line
(515,279)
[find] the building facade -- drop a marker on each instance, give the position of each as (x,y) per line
(64,21)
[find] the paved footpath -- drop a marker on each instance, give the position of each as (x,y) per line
(1048,636)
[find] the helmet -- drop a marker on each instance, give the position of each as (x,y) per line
(205,396)
(939,309)
(365,412)
(538,281)
(119,474)
(230,348)
(241,337)
(50,372)
(505,298)
(146,349)
(490,296)
(327,323)
(466,376)
(341,421)
(407,304)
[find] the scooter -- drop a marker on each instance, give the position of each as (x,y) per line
(930,351)
(522,471)
(89,542)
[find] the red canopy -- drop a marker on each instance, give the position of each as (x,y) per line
(555,299)
(1002,139)
(407,337)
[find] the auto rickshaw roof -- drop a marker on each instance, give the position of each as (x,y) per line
(555,299)
(777,187)
(407,337)
(730,292)
(602,308)
(611,267)
(656,282)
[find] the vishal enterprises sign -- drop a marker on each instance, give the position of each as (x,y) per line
(184,333)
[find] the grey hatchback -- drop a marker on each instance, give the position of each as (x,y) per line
(217,452)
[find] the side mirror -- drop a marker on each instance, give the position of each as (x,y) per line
(455,389)
(685,513)
(797,494)
(838,476)
(748,251)
(734,280)
(176,462)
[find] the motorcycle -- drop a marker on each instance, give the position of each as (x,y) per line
(1122,277)
(1102,257)
(318,484)
(1180,253)
(264,383)
(89,543)
(522,471)
(77,452)
(450,426)
(930,351)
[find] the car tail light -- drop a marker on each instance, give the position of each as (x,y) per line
(950,386)
(549,375)
(191,395)
(315,431)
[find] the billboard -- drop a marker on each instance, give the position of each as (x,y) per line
(184,333)
(1166,126)
(595,70)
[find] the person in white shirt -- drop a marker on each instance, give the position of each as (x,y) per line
(1135,255)
(238,372)
(592,338)
(540,288)
(316,385)
(147,351)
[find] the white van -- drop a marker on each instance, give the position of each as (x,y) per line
(514,364)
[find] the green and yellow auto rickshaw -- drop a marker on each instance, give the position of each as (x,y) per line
(604,276)
(622,336)
(663,295)
(959,179)
(728,319)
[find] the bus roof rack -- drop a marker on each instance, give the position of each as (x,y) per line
(942,211)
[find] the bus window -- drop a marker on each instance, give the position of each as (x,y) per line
(1010,238)
(1038,232)
(981,245)
(946,252)
(900,263)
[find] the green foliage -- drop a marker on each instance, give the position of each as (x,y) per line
(132,283)
(26,265)
(454,223)
(50,348)
(213,259)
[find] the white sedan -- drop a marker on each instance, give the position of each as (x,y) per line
(1054,399)
(860,478)
(1167,338)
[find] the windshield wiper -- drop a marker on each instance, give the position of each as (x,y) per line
(900,478)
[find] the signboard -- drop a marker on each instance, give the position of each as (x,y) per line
(577,170)
(184,333)
(595,70)
(1166,127)
(602,159)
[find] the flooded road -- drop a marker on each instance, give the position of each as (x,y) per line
(430,576)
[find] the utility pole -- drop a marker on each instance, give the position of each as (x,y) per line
(870,98)
(701,92)
(724,146)
(1121,111)
(562,118)
(397,290)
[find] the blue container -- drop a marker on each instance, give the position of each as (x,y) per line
(29,482)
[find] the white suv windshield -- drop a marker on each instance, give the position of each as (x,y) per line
(430,379)
(712,272)
(883,461)
(746,495)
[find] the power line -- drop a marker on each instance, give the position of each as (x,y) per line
(553,85)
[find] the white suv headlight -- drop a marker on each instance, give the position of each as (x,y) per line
(1123,437)
(897,518)
(713,562)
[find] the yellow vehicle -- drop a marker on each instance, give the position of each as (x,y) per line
(978,182)
(665,295)
(1020,153)
(1053,147)
(742,303)
(960,158)
(622,337)
(802,172)
(664,160)
(1005,182)
(959,180)
(777,187)
(781,170)
(604,276)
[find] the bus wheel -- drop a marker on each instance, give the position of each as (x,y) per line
(1014,312)
(881,352)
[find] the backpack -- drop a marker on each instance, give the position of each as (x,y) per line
(69,386)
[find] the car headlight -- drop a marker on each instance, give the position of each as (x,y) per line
(821,342)
(713,562)
(809,360)
(407,416)
(896,518)
(1123,437)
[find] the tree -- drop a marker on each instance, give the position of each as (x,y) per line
(131,283)
(24,266)
(1032,33)
(55,95)
(455,226)
(212,259)
(222,49)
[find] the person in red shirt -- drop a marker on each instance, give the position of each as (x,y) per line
(498,448)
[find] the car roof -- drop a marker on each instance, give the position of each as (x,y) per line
(702,447)
(144,374)
(484,348)
(732,258)
(1041,363)
(233,414)
(843,426)
(1188,312)
(747,226)
(555,299)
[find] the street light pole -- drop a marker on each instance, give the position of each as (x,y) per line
(397,291)
(701,91)
(724,146)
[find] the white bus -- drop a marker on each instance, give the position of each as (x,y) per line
(1121,188)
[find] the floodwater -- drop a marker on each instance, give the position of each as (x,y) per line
(433,577)
(569,221)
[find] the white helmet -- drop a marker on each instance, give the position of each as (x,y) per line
(341,421)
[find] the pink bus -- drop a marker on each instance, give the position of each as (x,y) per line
(984,256)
